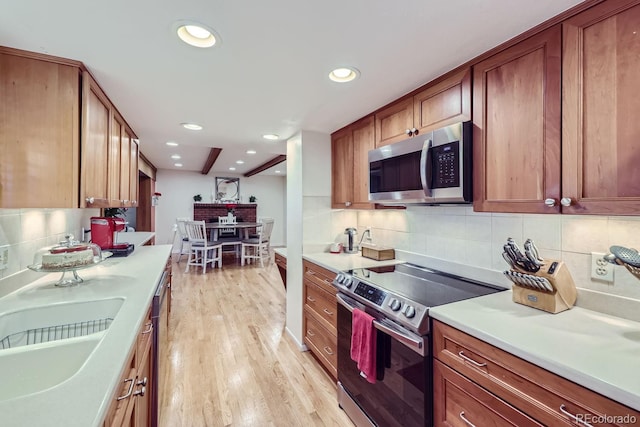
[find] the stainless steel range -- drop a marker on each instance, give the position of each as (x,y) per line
(398,297)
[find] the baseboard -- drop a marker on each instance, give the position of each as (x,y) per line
(301,346)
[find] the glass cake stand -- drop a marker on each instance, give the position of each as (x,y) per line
(74,278)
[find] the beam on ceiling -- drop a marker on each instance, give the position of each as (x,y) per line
(213,156)
(279,159)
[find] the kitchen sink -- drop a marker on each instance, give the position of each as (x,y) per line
(53,322)
(25,371)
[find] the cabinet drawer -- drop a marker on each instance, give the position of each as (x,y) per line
(321,342)
(319,275)
(457,399)
(322,303)
(144,339)
(541,394)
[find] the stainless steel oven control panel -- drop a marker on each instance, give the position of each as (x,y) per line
(407,313)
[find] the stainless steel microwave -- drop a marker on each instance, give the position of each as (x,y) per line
(432,168)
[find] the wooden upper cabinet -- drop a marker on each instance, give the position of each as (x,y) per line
(350,165)
(96,114)
(516,116)
(39,133)
(125,169)
(600,128)
(445,102)
(394,123)
(115,151)
(133,170)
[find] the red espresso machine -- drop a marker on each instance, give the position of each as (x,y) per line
(103,234)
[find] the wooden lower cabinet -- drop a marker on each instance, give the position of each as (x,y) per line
(320,315)
(461,402)
(131,402)
(281,263)
(487,383)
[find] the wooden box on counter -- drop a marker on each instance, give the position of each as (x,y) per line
(378,253)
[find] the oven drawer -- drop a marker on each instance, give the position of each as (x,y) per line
(541,394)
(319,275)
(458,402)
(321,342)
(323,303)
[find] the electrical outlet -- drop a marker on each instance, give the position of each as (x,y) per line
(370,235)
(601,269)
(4,257)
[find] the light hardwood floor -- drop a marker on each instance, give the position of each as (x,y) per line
(231,361)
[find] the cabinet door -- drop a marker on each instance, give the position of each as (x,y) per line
(95,145)
(363,140)
(516,115)
(341,169)
(39,133)
(125,169)
(115,150)
(393,122)
(601,83)
(133,167)
(443,103)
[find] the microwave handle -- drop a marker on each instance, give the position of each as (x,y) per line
(426,167)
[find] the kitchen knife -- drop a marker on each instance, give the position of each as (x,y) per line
(531,247)
(520,259)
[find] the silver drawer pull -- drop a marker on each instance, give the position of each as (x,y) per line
(140,392)
(132,381)
(330,313)
(573,417)
(469,423)
(328,351)
(311,299)
(310,333)
(470,360)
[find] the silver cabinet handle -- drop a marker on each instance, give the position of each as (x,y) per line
(407,131)
(310,333)
(140,392)
(90,200)
(414,131)
(135,202)
(573,417)
(566,201)
(125,201)
(142,382)
(470,360)
(132,380)
(469,423)
(347,204)
(328,351)
(148,330)
(311,299)
(330,313)
(550,202)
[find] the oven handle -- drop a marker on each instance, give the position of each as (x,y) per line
(408,338)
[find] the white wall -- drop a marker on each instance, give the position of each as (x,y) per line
(179,187)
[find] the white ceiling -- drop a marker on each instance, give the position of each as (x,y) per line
(269,74)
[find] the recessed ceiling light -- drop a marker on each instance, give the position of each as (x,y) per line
(232,168)
(344,74)
(251,151)
(172,144)
(196,34)
(191,126)
(271,136)
(277,171)
(178,165)
(176,157)
(239,162)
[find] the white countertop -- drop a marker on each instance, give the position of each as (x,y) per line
(595,350)
(138,238)
(84,399)
(342,262)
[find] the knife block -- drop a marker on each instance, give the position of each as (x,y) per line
(561,298)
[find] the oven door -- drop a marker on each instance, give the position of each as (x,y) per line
(401,395)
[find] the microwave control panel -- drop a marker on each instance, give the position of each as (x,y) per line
(446,165)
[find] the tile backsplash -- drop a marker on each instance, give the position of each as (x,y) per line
(27,230)
(459,235)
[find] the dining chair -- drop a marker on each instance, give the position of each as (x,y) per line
(202,251)
(258,247)
(227,232)
(184,239)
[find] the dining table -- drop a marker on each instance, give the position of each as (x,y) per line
(243,227)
